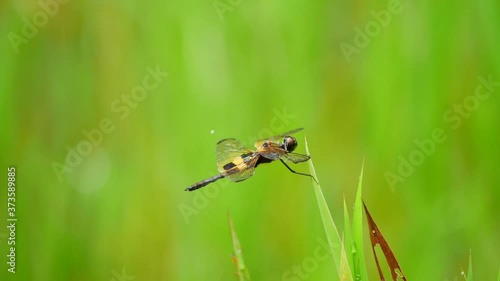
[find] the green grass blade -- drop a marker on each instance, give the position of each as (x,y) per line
(241,269)
(345,270)
(348,237)
(332,234)
(360,272)
(469,271)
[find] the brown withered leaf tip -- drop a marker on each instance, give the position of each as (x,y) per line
(376,237)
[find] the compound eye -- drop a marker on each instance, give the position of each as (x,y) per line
(290,143)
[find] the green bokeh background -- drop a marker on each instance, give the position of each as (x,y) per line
(236,73)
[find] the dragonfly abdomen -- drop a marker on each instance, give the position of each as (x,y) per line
(204,182)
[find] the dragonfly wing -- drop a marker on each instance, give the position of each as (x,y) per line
(259,143)
(230,153)
(296,157)
(272,151)
(242,175)
(242,171)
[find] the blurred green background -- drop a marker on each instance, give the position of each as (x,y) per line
(245,69)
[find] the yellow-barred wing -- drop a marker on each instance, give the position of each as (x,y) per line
(234,161)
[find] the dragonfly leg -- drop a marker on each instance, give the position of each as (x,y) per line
(297,172)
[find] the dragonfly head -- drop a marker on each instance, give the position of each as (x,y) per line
(289,143)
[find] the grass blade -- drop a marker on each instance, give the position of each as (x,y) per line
(469,271)
(345,270)
(377,238)
(348,237)
(332,234)
(360,272)
(241,269)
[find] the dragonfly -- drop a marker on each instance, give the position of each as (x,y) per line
(237,163)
